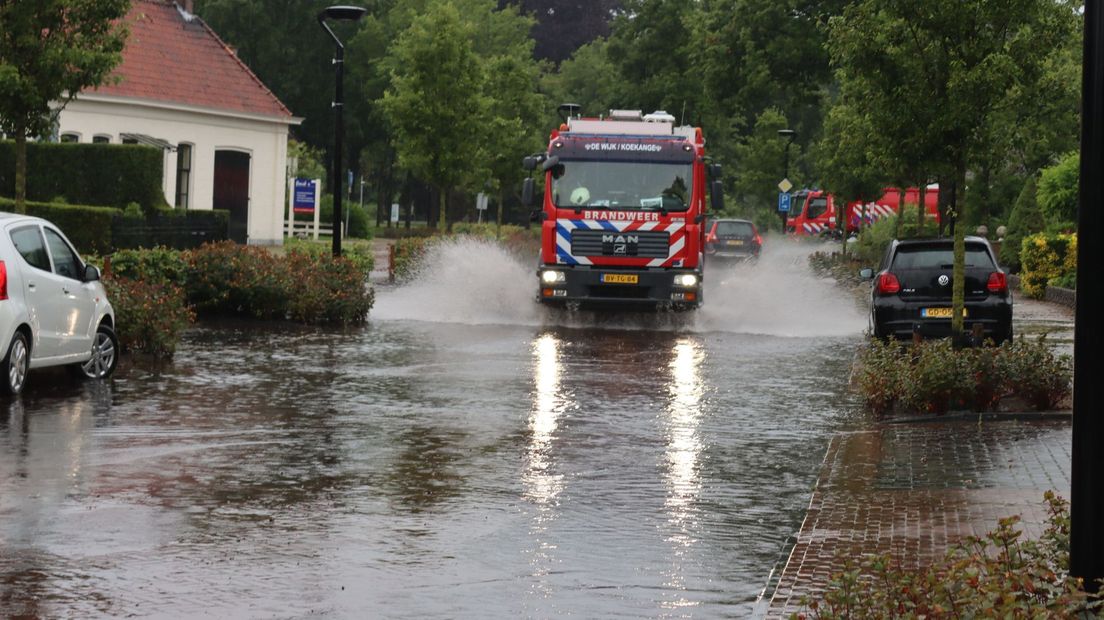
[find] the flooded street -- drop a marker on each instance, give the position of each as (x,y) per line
(464,455)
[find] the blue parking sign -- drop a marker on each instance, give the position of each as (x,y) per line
(783,202)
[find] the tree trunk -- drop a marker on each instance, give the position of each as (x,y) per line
(901,193)
(20,169)
(442,207)
(498,216)
(922,208)
(958,278)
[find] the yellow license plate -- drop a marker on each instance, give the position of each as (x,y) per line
(735,242)
(620,278)
(939,313)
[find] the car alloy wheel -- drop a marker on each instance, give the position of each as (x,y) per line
(105,354)
(16,364)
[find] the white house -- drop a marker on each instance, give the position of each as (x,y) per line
(182,89)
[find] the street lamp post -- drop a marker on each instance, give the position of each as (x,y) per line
(788,134)
(346,13)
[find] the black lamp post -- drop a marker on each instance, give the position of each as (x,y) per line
(789,135)
(346,13)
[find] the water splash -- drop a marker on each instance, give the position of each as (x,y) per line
(474,282)
(464,280)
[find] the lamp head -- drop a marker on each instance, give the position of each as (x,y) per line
(341,12)
(787,133)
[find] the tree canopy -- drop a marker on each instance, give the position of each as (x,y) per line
(50,50)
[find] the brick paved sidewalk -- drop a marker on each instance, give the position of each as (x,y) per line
(912,490)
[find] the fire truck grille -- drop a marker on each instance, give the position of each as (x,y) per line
(642,244)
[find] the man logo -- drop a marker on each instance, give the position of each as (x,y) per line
(943,280)
(620,239)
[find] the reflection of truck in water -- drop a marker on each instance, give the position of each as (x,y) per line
(813,212)
(622,216)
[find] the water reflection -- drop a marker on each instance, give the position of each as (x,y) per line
(683,453)
(542,484)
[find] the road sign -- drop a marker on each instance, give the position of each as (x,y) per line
(784,185)
(783,202)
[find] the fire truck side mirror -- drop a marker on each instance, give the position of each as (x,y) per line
(714,171)
(716,195)
(529,163)
(527,192)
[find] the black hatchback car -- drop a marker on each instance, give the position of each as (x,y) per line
(911,292)
(732,240)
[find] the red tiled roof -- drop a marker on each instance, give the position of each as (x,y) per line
(172,60)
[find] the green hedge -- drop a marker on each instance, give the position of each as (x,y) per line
(174,228)
(89,228)
(87,174)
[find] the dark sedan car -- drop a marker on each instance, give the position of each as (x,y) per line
(911,292)
(732,240)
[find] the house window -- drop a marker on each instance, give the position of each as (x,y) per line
(70,137)
(130,141)
(183,174)
(101,139)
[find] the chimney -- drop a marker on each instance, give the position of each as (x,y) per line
(188,6)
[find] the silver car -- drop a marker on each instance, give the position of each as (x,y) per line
(53,309)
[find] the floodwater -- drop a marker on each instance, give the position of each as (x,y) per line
(465,455)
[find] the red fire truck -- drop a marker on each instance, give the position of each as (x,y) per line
(623,211)
(813,212)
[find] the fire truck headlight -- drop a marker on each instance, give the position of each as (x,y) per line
(553,277)
(686,279)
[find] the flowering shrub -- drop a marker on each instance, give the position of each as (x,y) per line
(933,376)
(1047,259)
(407,254)
(1000,575)
(359,253)
(150,317)
(227,278)
(161,265)
(327,289)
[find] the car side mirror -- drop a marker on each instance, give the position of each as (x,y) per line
(527,192)
(91,273)
(866,274)
(716,195)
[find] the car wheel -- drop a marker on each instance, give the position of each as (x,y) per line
(16,364)
(105,354)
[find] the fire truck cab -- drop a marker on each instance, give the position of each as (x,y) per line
(623,211)
(813,211)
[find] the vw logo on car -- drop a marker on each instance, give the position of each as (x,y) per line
(943,280)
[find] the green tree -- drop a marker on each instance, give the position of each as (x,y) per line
(436,101)
(847,159)
(946,66)
(50,50)
(760,159)
(1026,220)
(589,78)
(1058,191)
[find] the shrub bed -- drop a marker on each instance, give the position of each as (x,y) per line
(150,317)
(1048,260)
(1000,575)
(934,377)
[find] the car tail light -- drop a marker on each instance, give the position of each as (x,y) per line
(3,280)
(998,282)
(711,237)
(758,239)
(888,284)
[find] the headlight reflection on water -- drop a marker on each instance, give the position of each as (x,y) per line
(683,453)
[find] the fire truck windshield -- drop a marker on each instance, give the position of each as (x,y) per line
(623,185)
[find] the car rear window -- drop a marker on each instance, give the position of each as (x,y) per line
(939,257)
(735,229)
